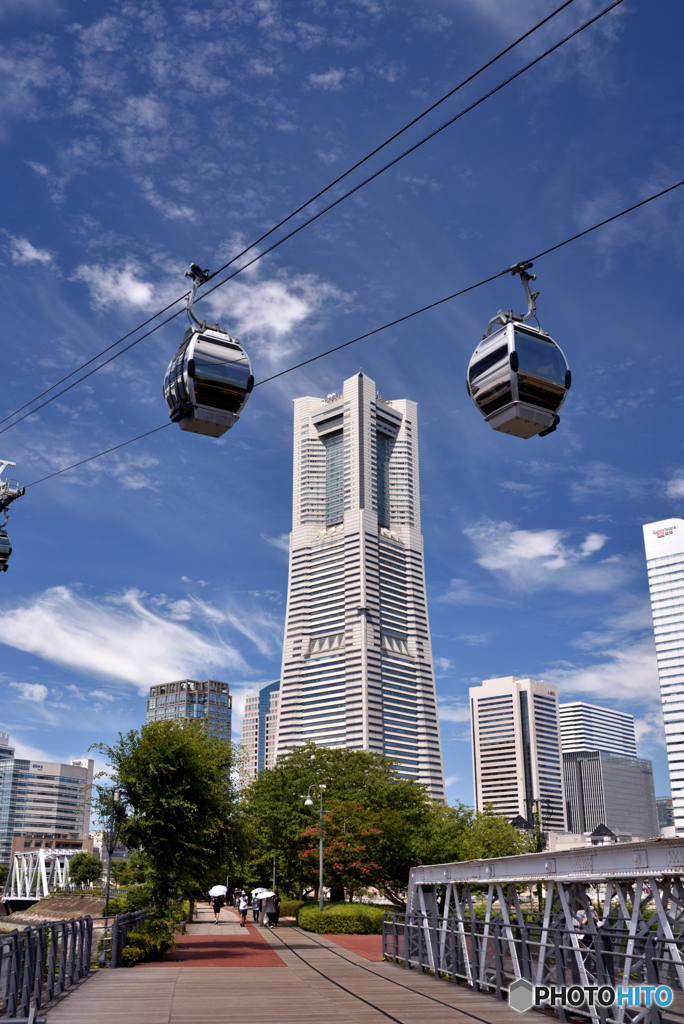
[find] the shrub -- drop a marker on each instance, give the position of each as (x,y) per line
(117,905)
(130,956)
(342,919)
(290,908)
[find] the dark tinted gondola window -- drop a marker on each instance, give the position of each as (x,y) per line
(487,361)
(221,381)
(540,358)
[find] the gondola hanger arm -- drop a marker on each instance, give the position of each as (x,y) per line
(507,316)
(199,277)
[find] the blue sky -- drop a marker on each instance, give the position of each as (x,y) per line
(136,137)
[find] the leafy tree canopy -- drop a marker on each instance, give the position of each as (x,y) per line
(175,780)
(84,868)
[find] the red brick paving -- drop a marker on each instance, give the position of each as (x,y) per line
(249,949)
(368,946)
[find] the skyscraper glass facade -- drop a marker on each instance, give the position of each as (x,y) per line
(357,662)
(664,544)
(208,701)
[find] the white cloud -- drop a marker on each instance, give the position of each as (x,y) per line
(450,710)
(264,629)
(102,695)
(34,692)
(628,673)
(282,542)
(675,487)
(117,637)
(117,285)
(450,779)
(22,251)
(168,209)
(331,80)
(541,558)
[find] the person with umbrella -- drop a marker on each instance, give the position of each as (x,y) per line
(269,908)
(256,896)
(217,895)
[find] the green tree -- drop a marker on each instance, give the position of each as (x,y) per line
(84,868)
(180,804)
(275,817)
(492,835)
(4,872)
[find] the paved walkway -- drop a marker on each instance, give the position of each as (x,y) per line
(223,974)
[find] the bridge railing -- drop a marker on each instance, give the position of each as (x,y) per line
(38,963)
(488,956)
(115,937)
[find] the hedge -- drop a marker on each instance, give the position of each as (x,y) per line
(342,919)
(290,908)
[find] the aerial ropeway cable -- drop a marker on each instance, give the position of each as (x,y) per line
(314,217)
(525,265)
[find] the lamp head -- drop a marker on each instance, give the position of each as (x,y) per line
(308,802)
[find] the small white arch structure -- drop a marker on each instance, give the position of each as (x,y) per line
(36,873)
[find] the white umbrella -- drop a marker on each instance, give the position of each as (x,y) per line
(260,889)
(218,890)
(264,894)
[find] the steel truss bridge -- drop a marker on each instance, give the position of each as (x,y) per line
(35,873)
(594,916)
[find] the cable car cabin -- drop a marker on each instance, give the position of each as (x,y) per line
(208,382)
(518,379)
(5,550)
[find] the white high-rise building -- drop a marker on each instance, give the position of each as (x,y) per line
(517,762)
(664,543)
(259,726)
(357,661)
(586,726)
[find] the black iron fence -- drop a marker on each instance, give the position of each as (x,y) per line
(489,957)
(115,937)
(38,963)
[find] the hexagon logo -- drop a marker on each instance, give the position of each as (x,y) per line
(521,995)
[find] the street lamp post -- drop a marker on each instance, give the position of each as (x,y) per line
(309,803)
(111,843)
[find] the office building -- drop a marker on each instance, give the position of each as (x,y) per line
(208,701)
(259,730)
(357,661)
(517,751)
(43,803)
(586,726)
(5,749)
(665,815)
(605,789)
(664,544)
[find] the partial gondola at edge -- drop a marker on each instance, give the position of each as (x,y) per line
(9,492)
(518,376)
(209,379)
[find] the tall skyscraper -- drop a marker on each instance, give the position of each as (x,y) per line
(43,803)
(664,543)
(208,701)
(586,726)
(259,728)
(517,751)
(357,661)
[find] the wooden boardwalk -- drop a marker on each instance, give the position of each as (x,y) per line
(309,980)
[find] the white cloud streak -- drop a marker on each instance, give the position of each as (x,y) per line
(119,637)
(33,692)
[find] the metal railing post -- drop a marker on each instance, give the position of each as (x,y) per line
(498,962)
(395,937)
(114,944)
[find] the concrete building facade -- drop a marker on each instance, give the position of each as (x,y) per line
(587,726)
(259,730)
(43,804)
(357,661)
(664,545)
(516,747)
(605,789)
(208,701)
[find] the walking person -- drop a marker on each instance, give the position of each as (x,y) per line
(243,906)
(217,903)
(269,912)
(276,900)
(255,909)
